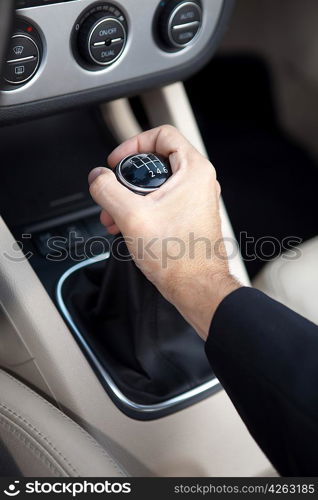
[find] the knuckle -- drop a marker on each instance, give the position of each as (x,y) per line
(210,169)
(168,132)
(168,129)
(207,167)
(208,174)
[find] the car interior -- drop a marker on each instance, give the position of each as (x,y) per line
(100,376)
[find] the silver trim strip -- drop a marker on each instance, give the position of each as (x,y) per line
(187,25)
(63,219)
(170,403)
(21,59)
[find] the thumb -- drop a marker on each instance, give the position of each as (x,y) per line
(109,194)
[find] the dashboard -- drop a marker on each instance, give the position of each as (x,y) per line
(77,51)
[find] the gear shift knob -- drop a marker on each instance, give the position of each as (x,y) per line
(143,173)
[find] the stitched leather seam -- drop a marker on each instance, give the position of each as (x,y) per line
(30,445)
(39,434)
(71,422)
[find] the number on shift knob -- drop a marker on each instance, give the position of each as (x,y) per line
(143,173)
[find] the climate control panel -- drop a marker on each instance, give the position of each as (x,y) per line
(100,35)
(73,52)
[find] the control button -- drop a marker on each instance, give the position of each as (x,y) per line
(182,34)
(22,60)
(102,36)
(107,29)
(184,23)
(106,41)
(180,22)
(20,71)
(186,13)
(106,54)
(21,46)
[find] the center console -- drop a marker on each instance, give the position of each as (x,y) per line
(66,53)
(73,52)
(70,68)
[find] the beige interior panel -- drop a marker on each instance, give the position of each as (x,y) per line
(44,442)
(293,281)
(13,352)
(207,439)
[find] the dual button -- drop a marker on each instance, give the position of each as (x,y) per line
(22,60)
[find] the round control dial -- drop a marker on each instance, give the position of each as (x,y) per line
(102,35)
(143,173)
(23,56)
(180,23)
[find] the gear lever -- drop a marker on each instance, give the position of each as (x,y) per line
(142,341)
(143,173)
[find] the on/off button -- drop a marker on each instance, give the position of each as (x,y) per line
(107,29)
(106,41)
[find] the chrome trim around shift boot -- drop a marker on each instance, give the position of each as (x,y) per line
(152,410)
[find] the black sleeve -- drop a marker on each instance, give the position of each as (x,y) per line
(266,357)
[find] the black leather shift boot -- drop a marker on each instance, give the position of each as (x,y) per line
(146,346)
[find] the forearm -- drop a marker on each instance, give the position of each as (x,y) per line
(197,299)
(265,356)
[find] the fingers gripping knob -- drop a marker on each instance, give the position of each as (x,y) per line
(143,173)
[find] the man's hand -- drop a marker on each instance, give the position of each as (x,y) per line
(173,234)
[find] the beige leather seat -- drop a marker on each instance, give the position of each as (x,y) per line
(294,282)
(43,441)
